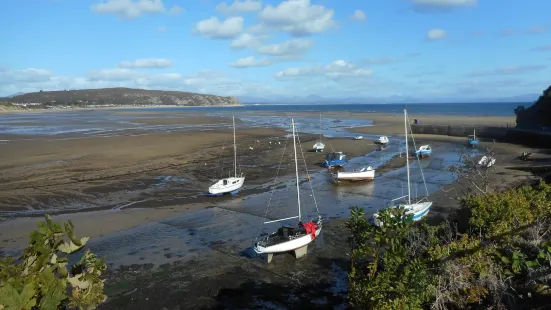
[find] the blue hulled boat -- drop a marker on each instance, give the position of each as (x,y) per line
(472,140)
(334,159)
(424,150)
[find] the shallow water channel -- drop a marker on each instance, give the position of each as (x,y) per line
(232,224)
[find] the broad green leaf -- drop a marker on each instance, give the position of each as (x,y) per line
(70,247)
(12,299)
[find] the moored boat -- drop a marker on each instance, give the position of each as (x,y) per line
(472,140)
(417,209)
(383,140)
(334,159)
(231,184)
(291,238)
(363,175)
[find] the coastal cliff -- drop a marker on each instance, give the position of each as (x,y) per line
(537,115)
(119,97)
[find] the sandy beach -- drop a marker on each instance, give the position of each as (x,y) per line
(138,192)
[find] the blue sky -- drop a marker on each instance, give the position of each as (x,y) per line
(420,48)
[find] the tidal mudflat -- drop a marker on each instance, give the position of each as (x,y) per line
(134,182)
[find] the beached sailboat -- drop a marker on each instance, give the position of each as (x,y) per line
(486,161)
(423,151)
(417,209)
(382,140)
(364,174)
(334,159)
(472,140)
(287,238)
(231,184)
(319,145)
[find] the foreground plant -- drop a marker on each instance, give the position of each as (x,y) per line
(500,260)
(41,278)
(383,275)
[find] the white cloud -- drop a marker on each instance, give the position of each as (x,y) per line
(30,75)
(298,17)
(358,15)
(431,5)
(246,40)
(512,70)
(117,74)
(291,47)
(238,7)
(157,63)
(335,70)
(258,29)
(161,28)
(129,9)
(436,34)
(250,61)
(175,10)
(212,28)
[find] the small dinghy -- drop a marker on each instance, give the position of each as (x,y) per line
(362,175)
(334,159)
(423,151)
(486,161)
(472,140)
(383,140)
(358,137)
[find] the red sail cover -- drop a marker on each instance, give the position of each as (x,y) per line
(310,228)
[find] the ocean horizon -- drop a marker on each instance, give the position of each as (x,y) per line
(468,109)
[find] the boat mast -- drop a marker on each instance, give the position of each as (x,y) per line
(320,128)
(407,153)
(296,168)
(234,148)
(474,134)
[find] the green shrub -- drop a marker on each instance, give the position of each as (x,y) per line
(382,275)
(492,264)
(41,277)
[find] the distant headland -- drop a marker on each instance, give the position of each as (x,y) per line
(112,97)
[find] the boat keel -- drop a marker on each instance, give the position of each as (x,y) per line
(300,252)
(270,257)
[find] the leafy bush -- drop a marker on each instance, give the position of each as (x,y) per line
(503,257)
(387,278)
(498,213)
(41,278)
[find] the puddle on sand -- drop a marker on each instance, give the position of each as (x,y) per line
(178,238)
(232,224)
(335,200)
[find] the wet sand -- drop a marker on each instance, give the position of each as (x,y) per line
(139,198)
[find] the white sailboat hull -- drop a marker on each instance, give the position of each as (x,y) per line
(487,161)
(288,246)
(356,175)
(383,140)
(319,146)
(226,185)
(418,210)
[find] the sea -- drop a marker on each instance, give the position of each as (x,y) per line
(474,109)
(108,123)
